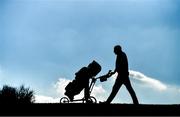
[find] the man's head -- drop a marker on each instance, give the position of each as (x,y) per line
(117,49)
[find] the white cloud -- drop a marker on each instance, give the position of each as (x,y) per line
(100,93)
(159,92)
(60,85)
(98,90)
(148,81)
(45,99)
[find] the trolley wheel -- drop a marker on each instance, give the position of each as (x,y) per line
(64,100)
(91,99)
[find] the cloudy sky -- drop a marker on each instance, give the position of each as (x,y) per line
(44,42)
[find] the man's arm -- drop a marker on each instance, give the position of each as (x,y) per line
(116,66)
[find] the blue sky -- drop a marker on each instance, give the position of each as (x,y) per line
(43,42)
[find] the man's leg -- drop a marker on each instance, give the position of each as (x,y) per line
(114,91)
(131,91)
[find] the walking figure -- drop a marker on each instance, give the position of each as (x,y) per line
(123,76)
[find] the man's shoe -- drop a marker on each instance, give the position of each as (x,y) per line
(136,103)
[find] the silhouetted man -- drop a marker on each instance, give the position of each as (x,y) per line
(123,75)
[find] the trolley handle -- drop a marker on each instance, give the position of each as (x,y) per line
(109,74)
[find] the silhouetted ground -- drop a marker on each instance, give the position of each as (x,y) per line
(90,109)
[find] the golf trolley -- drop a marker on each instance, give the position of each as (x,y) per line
(91,98)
